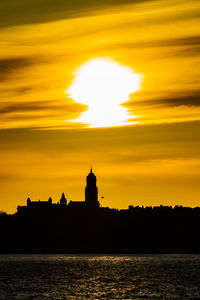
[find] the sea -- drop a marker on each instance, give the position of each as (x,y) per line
(166,276)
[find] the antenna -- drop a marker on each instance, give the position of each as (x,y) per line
(102,197)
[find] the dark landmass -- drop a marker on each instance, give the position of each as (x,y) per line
(136,230)
(85,227)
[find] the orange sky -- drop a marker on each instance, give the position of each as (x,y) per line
(44,153)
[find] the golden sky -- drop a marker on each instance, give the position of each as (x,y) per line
(45,152)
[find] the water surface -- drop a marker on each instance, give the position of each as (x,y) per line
(99,277)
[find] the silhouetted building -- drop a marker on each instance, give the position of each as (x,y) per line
(39,204)
(91,191)
(42,207)
(63,200)
(85,227)
(76,205)
(45,207)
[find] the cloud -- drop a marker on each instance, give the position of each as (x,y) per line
(33,106)
(25,106)
(6,177)
(185,41)
(186,46)
(171,42)
(192,99)
(8,66)
(177,99)
(38,11)
(134,142)
(40,114)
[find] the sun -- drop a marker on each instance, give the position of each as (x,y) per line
(103,85)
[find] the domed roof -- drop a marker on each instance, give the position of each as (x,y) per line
(91,174)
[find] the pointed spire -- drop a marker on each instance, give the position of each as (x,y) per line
(91,170)
(63,200)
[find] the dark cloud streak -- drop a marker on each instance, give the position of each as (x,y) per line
(186,99)
(39,11)
(10,65)
(34,106)
(186,41)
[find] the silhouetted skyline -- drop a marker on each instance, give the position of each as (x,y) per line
(129,67)
(91,201)
(86,227)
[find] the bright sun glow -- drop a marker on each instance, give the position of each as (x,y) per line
(103,85)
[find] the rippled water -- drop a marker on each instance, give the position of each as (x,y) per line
(99,277)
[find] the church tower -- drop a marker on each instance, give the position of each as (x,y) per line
(91,191)
(63,200)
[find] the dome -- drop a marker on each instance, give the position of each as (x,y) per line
(91,174)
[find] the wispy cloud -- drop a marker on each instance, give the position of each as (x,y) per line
(40,106)
(39,11)
(158,39)
(8,66)
(175,99)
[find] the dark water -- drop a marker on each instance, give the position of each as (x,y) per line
(99,277)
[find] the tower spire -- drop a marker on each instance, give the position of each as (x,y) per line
(91,191)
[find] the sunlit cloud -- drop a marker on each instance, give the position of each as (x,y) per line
(158,39)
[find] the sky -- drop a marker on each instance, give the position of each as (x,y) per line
(45,147)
